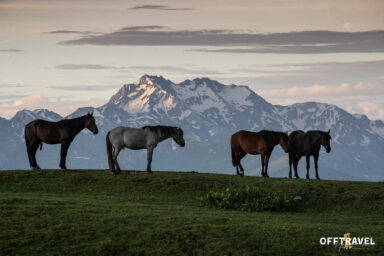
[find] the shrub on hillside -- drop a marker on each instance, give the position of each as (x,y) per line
(249,199)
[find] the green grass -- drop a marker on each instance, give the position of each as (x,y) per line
(53,212)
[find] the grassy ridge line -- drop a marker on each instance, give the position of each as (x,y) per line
(90,212)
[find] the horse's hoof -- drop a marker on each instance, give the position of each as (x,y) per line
(297,177)
(308,178)
(317,178)
(36,168)
(150,172)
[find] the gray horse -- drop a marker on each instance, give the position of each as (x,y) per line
(146,137)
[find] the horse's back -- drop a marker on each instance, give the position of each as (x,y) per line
(296,133)
(249,142)
(300,142)
(132,138)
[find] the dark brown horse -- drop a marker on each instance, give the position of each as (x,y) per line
(307,144)
(254,143)
(62,132)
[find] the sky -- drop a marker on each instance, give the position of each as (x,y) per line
(62,55)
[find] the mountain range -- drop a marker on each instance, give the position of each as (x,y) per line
(209,113)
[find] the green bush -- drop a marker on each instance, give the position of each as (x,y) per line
(248,199)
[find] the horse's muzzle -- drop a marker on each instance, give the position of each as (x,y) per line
(328,150)
(181,143)
(95,132)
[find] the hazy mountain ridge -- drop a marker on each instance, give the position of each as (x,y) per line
(209,112)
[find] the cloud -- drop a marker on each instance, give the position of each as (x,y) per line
(158,8)
(371,45)
(138,28)
(305,42)
(373,110)
(83,66)
(304,74)
(37,101)
(83,87)
(70,32)
(175,69)
(347,26)
(143,69)
(328,91)
(11,50)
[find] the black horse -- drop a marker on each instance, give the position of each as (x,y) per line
(307,144)
(62,132)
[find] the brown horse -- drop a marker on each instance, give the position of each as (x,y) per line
(254,143)
(62,132)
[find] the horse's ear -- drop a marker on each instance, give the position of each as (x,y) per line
(286,132)
(329,131)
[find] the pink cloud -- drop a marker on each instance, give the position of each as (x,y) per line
(318,91)
(37,101)
(373,110)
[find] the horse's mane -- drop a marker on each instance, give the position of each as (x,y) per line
(271,136)
(163,129)
(318,131)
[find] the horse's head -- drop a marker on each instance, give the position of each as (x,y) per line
(177,136)
(90,123)
(325,140)
(284,141)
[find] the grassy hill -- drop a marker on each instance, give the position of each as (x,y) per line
(88,212)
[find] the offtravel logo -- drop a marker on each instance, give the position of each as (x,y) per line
(347,242)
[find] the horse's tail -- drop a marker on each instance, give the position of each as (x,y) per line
(29,132)
(234,160)
(26,135)
(233,157)
(111,164)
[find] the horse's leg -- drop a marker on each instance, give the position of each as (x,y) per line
(149,159)
(34,145)
(30,159)
(237,169)
(241,169)
(241,155)
(316,158)
(266,165)
(262,156)
(235,157)
(308,158)
(116,152)
(63,154)
(290,159)
(296,160)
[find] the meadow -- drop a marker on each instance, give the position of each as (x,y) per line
(90,212)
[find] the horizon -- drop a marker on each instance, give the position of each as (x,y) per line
(65,55)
